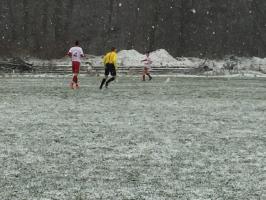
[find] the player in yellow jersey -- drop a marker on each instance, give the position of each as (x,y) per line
(110,63)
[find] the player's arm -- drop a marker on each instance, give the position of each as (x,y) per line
(69,53)
(105,60)
(82,54)
(115,61)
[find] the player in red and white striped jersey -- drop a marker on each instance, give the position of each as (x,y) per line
(76,53)
(147,67)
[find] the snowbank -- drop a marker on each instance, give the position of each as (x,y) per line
(190,62)
(161,58)
(130,58)
(92,61)
(53,62)
(237,65)
(254,64)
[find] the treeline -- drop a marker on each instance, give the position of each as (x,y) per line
(202,28)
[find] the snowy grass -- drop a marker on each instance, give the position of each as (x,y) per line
(172,138)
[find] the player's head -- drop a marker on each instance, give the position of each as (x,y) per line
(113,49)
(148,53)
(77,43)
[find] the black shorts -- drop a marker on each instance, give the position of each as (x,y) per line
(110,69)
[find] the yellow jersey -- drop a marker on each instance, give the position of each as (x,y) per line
(110,58)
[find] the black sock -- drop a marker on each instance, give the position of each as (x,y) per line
(149,76)
(103,81)
(110,80)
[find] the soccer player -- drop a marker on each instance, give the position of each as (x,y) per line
(110,63)
(76,53)
(146,71)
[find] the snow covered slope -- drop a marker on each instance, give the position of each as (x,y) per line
(161,58)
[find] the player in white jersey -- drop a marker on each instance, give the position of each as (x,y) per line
(76,53)
(147,67)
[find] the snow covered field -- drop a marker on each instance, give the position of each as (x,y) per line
(172,138)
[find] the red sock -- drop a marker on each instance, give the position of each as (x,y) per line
(75,79)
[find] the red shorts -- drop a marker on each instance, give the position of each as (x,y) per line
(75,67)
(146,70)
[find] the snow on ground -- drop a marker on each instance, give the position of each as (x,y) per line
(243,75)
(161,58)
(172,138)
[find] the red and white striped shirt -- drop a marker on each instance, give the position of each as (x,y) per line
(76,53)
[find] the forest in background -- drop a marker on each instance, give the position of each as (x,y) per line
(198,28)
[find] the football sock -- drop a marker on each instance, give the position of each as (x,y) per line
(110,80)
(75,79)
(103,81)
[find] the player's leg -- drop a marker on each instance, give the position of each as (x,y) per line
(149,74)
(144,73)
(113,74)
(110,80)
(143,77)
(75,79)
(72,83)
(103,81)
(106,73)
(76,66)
(77,73)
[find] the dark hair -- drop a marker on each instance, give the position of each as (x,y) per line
(113,49)
(77,43)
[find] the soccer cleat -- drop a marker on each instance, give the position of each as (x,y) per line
(71,85)
(77,85)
